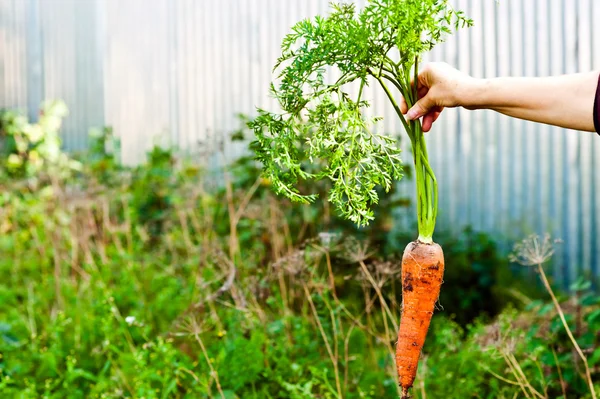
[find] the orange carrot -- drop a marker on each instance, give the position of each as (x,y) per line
(422,277)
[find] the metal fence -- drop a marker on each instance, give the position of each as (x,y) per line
(179,70)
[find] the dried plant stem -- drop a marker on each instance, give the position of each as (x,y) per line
(183,221)
(128,228)
(287,235)
(240,211)
(513,360)
(283,290)
(356,320)
(368,303)
(568,330)
(75,268)
(379,294)
(213,372)
(190,372)
(234,247)
(236,214)
(517,376)
(327,345)
(276,250)
(277,245)
(200,305)
(498,376)
(108,229)
(330,271)
(335,332)
(191,215)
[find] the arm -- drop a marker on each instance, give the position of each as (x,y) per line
(566,101)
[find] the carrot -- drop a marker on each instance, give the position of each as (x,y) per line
(422,277)
(323,121)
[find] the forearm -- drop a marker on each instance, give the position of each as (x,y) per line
(565,101)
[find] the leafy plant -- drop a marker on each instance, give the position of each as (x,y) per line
(323,124)
(92,311)
(28,149)
(103,156)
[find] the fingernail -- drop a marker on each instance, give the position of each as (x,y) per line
(412,115)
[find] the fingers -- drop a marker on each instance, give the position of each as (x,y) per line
(421,92)
(421,108)
(427,122)
(430,118)
(403,105)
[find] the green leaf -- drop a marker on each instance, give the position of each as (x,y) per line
(322,132)
(594,318)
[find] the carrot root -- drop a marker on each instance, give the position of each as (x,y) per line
(422,277)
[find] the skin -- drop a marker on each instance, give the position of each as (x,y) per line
(422,278)
(566,101)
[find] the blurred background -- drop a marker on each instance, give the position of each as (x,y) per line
(142,254)
(179,73)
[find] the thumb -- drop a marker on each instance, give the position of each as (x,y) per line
(421,107)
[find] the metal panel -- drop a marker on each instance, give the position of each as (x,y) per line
(13,38)
(178,72)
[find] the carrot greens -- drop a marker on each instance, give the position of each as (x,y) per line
(323,131)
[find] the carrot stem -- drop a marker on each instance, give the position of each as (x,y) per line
(427,190)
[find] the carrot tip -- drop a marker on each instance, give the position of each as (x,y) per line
(405,394)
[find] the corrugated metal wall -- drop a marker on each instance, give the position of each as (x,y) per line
(179,70)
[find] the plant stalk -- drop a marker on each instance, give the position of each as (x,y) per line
(427,190)
(567,329)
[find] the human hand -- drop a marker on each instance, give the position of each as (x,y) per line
(439,86)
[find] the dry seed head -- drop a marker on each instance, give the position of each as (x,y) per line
(294,264)
(355,250)
(379,279)
(533,250)
(387,268)
(328,240)
(191,326)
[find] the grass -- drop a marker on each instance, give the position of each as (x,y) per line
(154,282)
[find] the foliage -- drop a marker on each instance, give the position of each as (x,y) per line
(33,150)
(324,124)
(152,189)
(103,157)
(154,282)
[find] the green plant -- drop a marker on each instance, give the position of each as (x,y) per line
(324,125)
(153,189)
(329,123)
(103,156)
(535,251)
(92,310)
(95,305)
(33,150)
